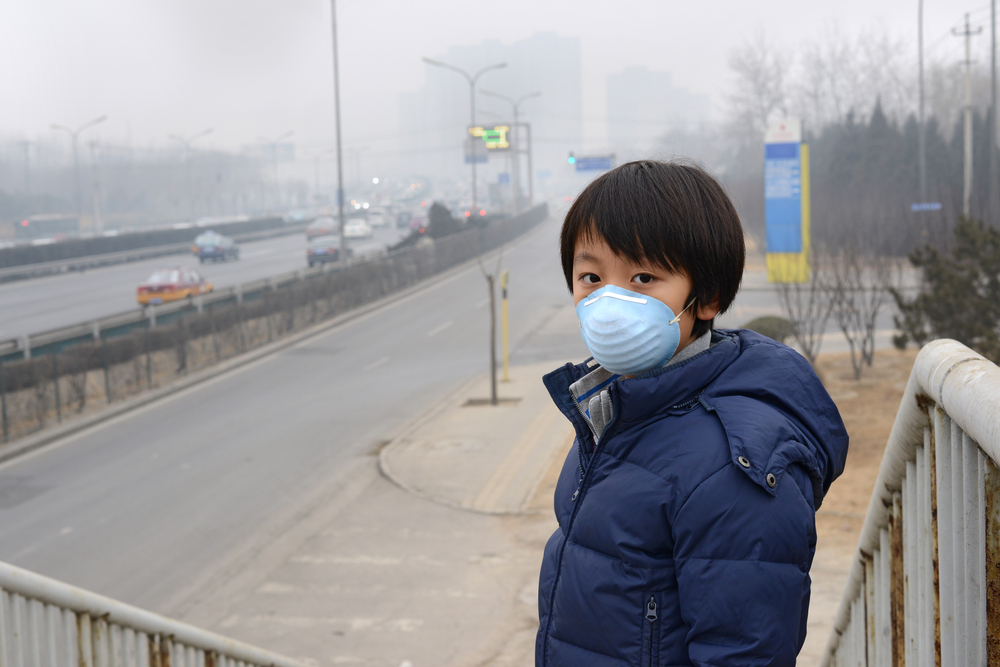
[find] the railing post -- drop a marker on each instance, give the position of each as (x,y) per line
(55,382)
(3,405)
(931,438)
(85,651)
(897,587)
(871,625)
(992,521)
(107,370)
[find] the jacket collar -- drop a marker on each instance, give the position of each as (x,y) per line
(652,391)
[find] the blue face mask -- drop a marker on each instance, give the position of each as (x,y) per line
(628,333)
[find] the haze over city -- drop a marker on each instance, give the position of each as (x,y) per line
(258,69)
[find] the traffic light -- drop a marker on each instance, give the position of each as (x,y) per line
(572,160)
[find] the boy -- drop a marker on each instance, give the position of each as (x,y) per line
(686,506)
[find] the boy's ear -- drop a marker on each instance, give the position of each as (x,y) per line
(708,311)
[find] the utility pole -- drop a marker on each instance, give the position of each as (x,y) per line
(96,179)
(921,137)
(74,135)
(185,157)
(336,107)
(27,166)
(471,78)
(516,171)
(968,33)
(994,210)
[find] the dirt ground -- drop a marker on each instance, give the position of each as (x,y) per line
(868,407)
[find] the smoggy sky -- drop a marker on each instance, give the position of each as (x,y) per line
(255,68)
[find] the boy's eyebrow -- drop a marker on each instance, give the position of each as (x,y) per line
(584,257)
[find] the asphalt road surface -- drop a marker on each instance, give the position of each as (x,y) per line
(51,302)
(145,505)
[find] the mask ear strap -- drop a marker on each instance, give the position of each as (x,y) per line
(690,303)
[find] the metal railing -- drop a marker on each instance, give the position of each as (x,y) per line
(924,588)
(44,622)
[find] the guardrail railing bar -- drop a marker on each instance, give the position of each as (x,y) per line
(100,632)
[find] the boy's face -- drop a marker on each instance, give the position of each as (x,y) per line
(596,266)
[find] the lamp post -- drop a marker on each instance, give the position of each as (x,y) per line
(273,143)
(186,143)
(516,176)
(471,78)
(74,134)
(336,105)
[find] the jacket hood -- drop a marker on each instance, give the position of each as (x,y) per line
(773,407)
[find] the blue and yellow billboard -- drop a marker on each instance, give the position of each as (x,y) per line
(786,203)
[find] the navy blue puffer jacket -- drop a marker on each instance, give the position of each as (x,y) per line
(686,535)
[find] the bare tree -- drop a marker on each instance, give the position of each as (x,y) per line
(760,89)
(807,307)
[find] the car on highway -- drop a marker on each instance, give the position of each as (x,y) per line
(213,246)
(325,249)
(418,224)
(171,284)
(358,229)
(322,226)
(377,217)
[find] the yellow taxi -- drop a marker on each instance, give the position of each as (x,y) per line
(171,284)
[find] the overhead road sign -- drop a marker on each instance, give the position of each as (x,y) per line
(494,138)
(786,202)
(475,150)
(597,163)
(926,206)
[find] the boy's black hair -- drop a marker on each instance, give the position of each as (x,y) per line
(670,213)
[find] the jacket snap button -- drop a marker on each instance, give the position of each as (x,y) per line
(744,461)
(772,481)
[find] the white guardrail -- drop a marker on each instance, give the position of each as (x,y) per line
(924,589)
(46,623)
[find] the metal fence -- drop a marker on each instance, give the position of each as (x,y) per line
(46,623)
(924,588)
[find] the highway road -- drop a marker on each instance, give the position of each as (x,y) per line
(151,505)
(144,507)
(42,304)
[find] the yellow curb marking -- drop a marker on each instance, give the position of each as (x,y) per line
(505,474)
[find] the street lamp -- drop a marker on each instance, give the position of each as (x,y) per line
(472,104)
(76,158)
(516,176)
(186,143)
(273,143)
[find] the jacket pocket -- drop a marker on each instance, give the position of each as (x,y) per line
(650,632)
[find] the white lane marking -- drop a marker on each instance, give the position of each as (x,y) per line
(483,303)
(436,330)
(375,364)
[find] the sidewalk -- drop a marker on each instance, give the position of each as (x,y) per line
(432,564)
(429,556)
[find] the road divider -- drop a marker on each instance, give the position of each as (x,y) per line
(50,375)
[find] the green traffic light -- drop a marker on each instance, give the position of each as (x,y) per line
(572,160)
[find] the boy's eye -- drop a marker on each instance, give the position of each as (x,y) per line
(642,278)
(590,278)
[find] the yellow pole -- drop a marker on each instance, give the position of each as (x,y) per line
(506,352)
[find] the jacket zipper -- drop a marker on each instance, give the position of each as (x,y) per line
(652,617)
(608,430)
